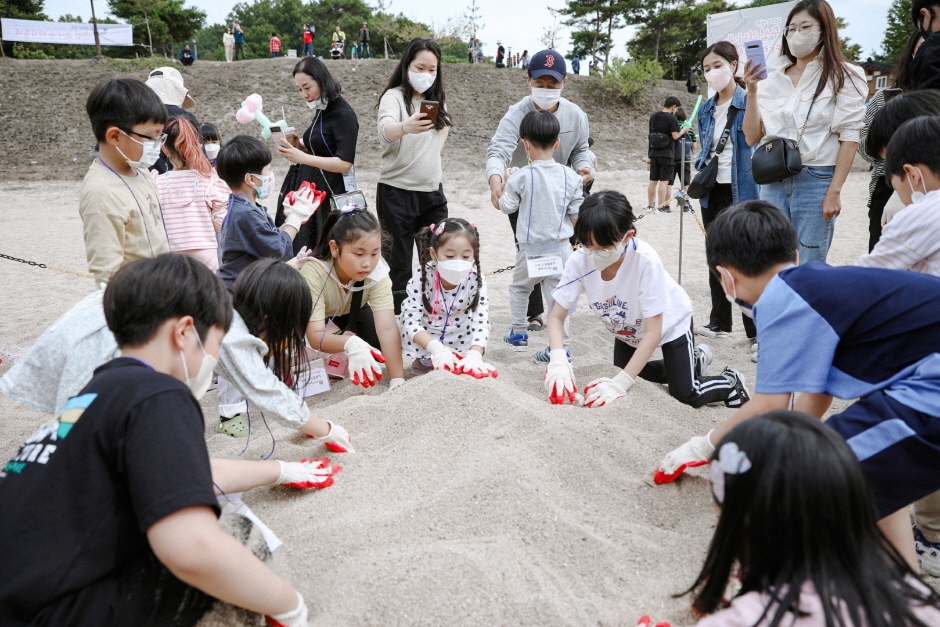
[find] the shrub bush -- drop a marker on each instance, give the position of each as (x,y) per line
(630,80)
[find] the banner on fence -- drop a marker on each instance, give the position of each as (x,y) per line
(37,32)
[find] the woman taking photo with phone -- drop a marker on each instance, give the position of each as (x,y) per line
(413,123)
(734,183)
(325,153)
(816,99)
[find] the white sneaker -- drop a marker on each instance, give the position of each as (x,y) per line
(928,553)
(710,330)
(754,351)
(703,359)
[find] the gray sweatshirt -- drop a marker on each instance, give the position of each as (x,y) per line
(573,136)
(547,196)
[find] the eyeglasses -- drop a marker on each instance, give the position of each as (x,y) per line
(804,29)
(160,139)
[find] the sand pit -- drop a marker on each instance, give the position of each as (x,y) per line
(468,502)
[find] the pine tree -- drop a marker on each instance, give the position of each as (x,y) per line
(899,29)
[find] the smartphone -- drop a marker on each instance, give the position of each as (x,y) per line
(277,135)
(754,50)
(891,92)
(430,107)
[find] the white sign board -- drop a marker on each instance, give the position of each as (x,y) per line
(765,23)
(36,32)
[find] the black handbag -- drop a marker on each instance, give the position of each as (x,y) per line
(779,159)
(705,180)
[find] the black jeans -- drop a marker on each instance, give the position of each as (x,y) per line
(536,306)
(402,214)
(239,50)
(719,199)
(365,326)
(677,370)
(876,209)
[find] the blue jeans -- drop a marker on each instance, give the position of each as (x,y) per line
(800,198)
(274,55)
(308,50)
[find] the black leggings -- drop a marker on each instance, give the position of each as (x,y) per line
(365,325)
(876,208)
(719,199)
(677,369)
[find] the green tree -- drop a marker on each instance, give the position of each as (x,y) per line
(899,29)
(586,43)
(595,21)
(159,24)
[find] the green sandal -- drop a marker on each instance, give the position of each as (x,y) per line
(236,427)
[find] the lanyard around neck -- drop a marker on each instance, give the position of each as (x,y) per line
(139,208)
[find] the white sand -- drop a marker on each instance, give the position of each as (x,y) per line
(468,502)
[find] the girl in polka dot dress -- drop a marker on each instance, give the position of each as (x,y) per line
(444,321)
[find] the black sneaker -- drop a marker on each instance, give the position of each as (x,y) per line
(710,330)
(664,209)
(740,394)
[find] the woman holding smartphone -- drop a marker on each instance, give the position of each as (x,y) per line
(410,195)
(325,153)
(734,182)
(817,98)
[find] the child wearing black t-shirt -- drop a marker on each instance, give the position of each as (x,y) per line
(108,513)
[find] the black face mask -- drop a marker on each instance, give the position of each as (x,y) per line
(920,25)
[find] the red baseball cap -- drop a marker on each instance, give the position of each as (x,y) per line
(548,63)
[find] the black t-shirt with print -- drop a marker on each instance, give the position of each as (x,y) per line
(666,123)
(77,499)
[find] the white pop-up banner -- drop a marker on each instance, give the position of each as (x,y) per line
(765,23)
(36,32)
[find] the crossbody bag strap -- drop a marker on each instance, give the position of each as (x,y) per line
(353,321)
(799,139)
(725,134)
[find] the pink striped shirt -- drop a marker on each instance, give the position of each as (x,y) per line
(911,240)
(193,206)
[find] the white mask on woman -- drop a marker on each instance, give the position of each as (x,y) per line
(421,81)
(802,45)
(719,77)
(319,104)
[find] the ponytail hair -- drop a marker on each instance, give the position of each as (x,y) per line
(727,51)
(344,227)
(183,145)
(436,236)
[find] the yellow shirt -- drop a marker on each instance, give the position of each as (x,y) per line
(330,300)
(340,36)
(121,223)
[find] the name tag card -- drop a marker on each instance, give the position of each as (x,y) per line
(544,265)
(317,380)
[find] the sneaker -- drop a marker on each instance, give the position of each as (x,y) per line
(754,352)
(517,341)
(422,365)
(687,208)
(928,553)
(543,357)
(740,394)
(664,209)
(236,426)
(703,359)
(710,330)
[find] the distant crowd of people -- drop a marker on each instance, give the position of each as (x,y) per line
(233,42)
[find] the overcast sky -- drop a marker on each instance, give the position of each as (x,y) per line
(507,21)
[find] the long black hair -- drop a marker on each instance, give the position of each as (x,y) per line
(274,301)
(316,69)
(834,71)
(428,239)
(803,513)
(344,228)
(896,112)
(435,92)
(604,219)
(901,76)
(727,51)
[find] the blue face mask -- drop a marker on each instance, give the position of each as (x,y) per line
(746,308)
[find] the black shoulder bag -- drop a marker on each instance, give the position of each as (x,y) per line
(705,180)
(657,140)
(779,159)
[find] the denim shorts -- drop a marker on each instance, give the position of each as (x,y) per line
(800,198)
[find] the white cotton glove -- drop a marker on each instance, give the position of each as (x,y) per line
(307,473)
(605,390)
(295,618)
(695,452)
(473,365)
(394,384)
(559,378)
(301,204)
(442,358)
(337,440)
(364,368)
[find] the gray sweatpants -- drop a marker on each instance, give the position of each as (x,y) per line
(522,284)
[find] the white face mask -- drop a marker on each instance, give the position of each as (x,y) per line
(380,271)
(545,98)
(150,153)
(917,196)
(746,308)
(801,45)
(212,150)
(603,259)
(421,81)
(319,104)
(719,77)
(454,271)
(267,184)
(199,384)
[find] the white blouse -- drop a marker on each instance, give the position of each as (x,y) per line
(834,117)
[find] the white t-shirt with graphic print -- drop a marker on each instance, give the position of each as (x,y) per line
(641,289)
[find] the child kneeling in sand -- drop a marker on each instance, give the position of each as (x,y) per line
(629,290)
(353,309)
(446,336)
(108,515)
(797,530)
